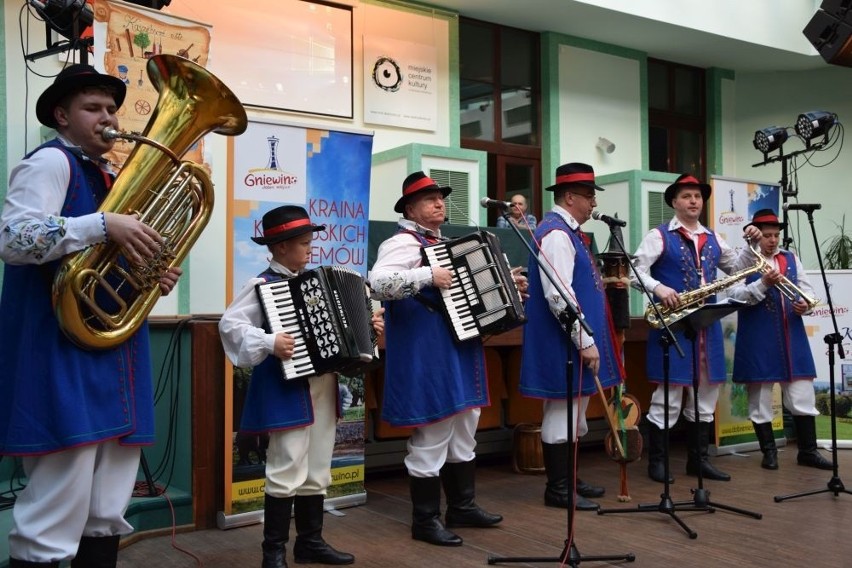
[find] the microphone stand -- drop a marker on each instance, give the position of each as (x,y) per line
(570,555)
(666,505)
(835,484)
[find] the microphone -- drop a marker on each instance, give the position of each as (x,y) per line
(485,202)
(611,221)
(807,207)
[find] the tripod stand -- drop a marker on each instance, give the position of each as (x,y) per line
(835,484)
(666,506)
(570,555)
(692,324)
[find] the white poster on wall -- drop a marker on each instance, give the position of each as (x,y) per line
(819,324)
(400,83)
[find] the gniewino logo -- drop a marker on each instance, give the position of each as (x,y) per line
(270,177)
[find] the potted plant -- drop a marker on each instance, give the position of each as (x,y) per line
(838,249)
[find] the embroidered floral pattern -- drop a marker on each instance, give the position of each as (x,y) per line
(394,287)
(36,238)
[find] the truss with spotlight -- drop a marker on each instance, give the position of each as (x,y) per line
(817,130)
(72,20)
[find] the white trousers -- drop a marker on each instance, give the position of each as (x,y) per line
(450,440)
(554,423)
(78,492)
(707,396)
(798,397)
(298,461)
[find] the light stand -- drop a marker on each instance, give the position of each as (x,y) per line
(835,484)
(666,506)
(570,555)
(68,19)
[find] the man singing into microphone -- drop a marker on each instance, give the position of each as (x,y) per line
(547,345)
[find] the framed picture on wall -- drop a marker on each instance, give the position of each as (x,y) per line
(293,55)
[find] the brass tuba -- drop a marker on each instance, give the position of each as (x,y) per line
(99,297)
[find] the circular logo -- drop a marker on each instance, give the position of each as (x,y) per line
(386,74)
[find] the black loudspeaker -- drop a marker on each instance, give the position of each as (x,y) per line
(831,32)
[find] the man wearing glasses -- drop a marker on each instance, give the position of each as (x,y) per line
(548,341)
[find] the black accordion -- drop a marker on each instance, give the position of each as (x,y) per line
(329,314)
(483,298)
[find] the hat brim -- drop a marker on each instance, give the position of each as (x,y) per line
(588,184)
(400,204)
(780,224)
(54,94)
(292,233)
(671,191)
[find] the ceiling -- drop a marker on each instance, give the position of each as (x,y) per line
(658,39)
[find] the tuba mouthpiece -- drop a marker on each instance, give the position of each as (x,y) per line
(110,134)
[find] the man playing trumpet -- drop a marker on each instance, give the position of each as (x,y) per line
(772,346)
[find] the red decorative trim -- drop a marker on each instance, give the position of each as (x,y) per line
(418,185)
(286,227)
(573,178)
(772,219)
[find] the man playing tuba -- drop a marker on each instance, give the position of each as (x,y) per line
(77,417)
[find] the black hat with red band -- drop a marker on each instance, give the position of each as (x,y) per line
(574,173)
(685,181)
(766,217)
(284,223)
(414,184)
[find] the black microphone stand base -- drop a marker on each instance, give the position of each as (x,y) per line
(835,485)
(570,557)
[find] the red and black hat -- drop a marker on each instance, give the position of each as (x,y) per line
(74,78)
(682,182)
(766,217)
(284,223)
(414,184)
(569,174)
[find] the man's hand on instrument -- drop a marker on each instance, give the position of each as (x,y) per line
(379,322)
(752,234)
(441,277)
(591,358)
(284,345)
(800,306)
(521,281)
(169,279)
(138,240)
(771,277)
(668,297)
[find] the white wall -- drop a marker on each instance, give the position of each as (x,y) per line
(774,99)
(599,96)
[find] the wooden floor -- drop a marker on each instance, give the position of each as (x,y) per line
(812,531)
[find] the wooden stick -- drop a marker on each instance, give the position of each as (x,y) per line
(611,419)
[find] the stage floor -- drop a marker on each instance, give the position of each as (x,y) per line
(811,531)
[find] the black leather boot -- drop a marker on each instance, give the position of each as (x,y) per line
(589,490)
(15,563)
(806,440)
(556,467)
(657,454)
(310,548)
(697,451)
(459,484)
(97,552)
(426,522)
(276,530)
(766,439)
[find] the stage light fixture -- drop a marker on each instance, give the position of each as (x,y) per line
(769,139)
(155,4)
(812,125)
(68,18)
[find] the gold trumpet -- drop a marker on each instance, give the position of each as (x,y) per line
(787,288)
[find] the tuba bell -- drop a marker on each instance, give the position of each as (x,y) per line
(100,298)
